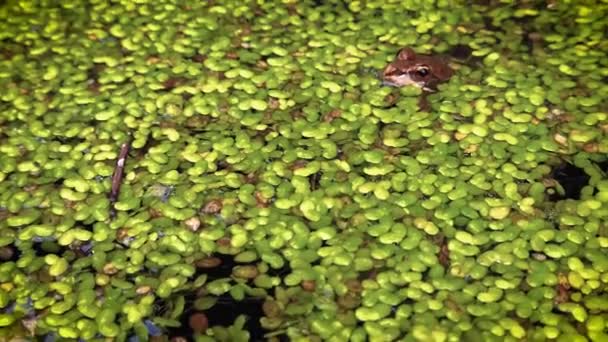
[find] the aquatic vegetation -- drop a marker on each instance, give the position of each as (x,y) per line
(275,187)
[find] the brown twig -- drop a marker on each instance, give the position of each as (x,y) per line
(117,176)
(444,251)
(562,290)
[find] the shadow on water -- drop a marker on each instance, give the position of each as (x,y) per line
(225,311)
(572,179)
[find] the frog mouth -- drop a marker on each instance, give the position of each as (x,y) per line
(401,80)
(398,80)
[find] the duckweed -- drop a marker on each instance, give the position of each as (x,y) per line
(279,159)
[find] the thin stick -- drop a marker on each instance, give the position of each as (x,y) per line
(117,176)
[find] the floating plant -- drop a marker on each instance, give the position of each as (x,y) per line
(165,163)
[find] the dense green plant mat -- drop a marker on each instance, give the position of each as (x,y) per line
(269,166)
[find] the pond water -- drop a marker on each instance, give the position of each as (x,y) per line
(303,170)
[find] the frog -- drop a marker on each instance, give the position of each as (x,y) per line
(410,68)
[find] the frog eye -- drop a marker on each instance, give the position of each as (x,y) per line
(423,71)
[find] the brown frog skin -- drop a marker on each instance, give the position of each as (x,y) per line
(409,68)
